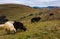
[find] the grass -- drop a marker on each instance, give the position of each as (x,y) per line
(40,30)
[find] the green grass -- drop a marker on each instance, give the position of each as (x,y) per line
(40,30)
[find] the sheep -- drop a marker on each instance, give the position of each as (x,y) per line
(12,26)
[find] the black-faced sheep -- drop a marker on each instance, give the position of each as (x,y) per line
(35,19)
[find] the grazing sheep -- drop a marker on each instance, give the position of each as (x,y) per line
(8,27)
(35,19)
(12,26)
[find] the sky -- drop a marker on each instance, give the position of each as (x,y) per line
(39,3)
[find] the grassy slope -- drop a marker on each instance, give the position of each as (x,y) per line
(15,10)
(40,30)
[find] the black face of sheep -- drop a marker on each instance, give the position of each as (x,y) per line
(19,25)
(35,19)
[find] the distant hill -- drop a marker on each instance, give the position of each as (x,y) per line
(53,7)
(18,12)
(36,7)
(15,10)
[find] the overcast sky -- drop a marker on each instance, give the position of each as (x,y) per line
(41,3)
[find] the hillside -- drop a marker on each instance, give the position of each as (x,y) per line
(19,12)
(48,13)
(15,10)
(47,28)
